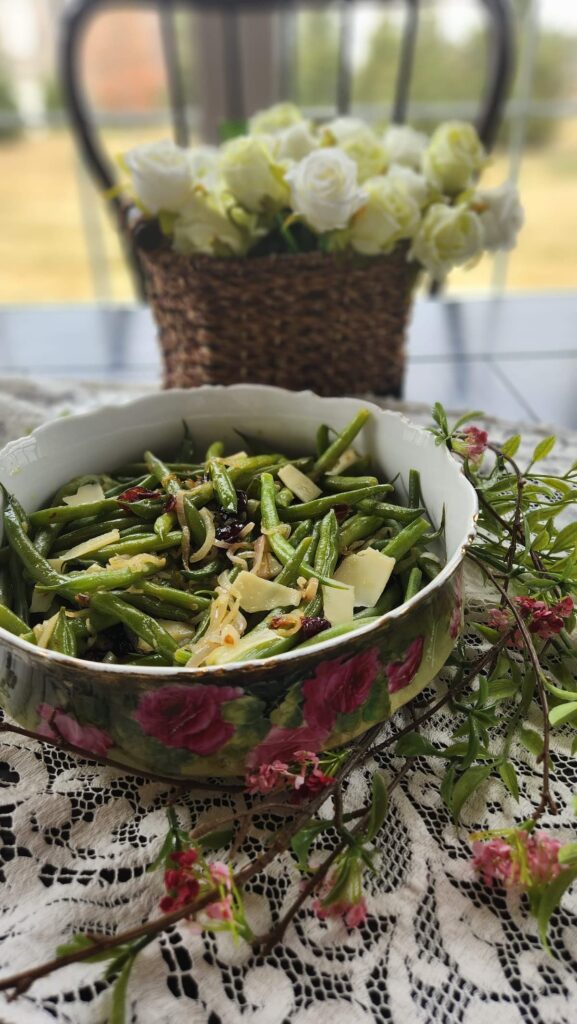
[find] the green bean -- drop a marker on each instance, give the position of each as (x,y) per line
(223,485)
(406,539)
(37,566)
(147,482)
(158,609)
(20,603)
(397,512)
(194,521)
(350,483)
(357,528)
(302,530)
(107,579)
(334,631)
(203,572)
(326,558)
(322,439)
(4,554)
(430,565)
(201,494)
(186,450)
(45,537)
(413,583)
(214,451)
(156,660)
(284,497)
(414,488)
(70,540)
(165,476)
(11,622)
(310,557)
(293,568)
(164,524)
(63,639)
(67,513)
(5,587)
(143,625)
(340,444)
(145,544)
(181,598)
(318,507)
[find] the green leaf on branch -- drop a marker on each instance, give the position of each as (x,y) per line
(303,840)
(510,447)
(216,840)
(415,745)
(118,1006)
(379,805)
(509,779)
(532,741)
(563,713)
(568,854)
(467,784)
(80,942)
(549,901)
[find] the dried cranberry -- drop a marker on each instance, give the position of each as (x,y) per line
(229,532)
(242,498)
(341,512)
(313,624)
(137,494)
(170,503)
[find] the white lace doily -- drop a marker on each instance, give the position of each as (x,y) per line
(437,946)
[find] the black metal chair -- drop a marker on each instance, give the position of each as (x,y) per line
(78,15)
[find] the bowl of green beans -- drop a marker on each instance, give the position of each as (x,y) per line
(199,583)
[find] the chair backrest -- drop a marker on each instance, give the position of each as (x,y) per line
(77,17)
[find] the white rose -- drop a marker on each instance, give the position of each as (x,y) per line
(405,146)
(205,225)
(296,142)
(252,175)
(274,119)
(344,127)
(160,174)
(501,214)
(324,189)
(388,215)
(416,184)
(454,155)
(203,163)
(367,151)
(447,237)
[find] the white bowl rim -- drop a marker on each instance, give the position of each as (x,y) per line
(199,674)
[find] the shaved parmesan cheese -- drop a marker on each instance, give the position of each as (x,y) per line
(136,562)
(344,461)
(85,494)
(182,632)
(259,595)
(86,548)
(338,604)
(298,483)
(222,655)
(40,602)
(368,572)
(44,630)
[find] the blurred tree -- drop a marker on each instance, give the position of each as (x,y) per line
(317,52)
(10,122)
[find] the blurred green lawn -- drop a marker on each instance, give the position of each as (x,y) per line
(44,257)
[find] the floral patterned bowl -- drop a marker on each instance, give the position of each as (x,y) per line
(221,721)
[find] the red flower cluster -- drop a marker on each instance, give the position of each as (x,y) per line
(543,620)
(182,885)
(471,443)
(525,860)
(302,774)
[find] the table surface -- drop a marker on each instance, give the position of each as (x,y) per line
(514,357)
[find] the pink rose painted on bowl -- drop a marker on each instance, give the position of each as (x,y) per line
(57,725)
(188,717)
(339,687)
(282,744)
(401,673)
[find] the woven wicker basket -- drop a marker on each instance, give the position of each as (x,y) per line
(332,323)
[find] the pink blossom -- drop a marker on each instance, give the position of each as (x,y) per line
(400,673)
(356,915)
(543,620)
(499,619)
(471,444)
(220,910)
(526,860)
(188,717)
(220,874)
(353,914)
(303,775)
(57,725)
(339,687)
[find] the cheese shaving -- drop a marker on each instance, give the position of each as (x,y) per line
(85,495)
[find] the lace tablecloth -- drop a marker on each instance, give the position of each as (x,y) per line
(76,840)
